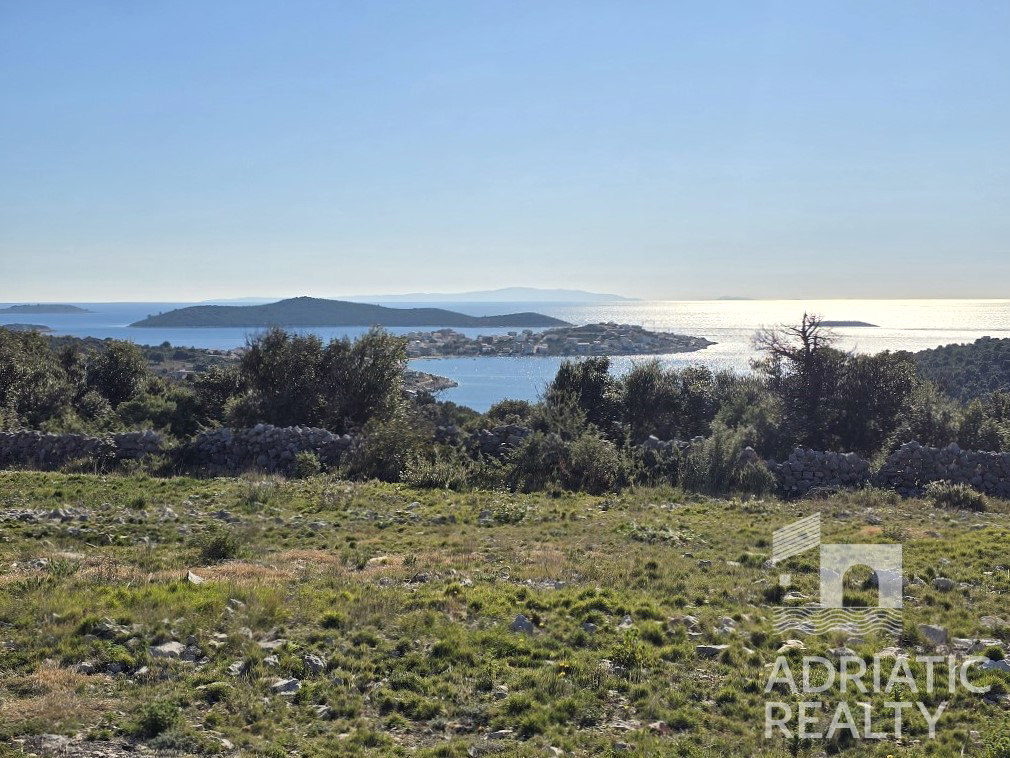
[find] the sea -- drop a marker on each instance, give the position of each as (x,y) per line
(731,324)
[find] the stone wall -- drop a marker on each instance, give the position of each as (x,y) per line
(225,452)
(806,469)
(910,468)
(907,470)
(38,450)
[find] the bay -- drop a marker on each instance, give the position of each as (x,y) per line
(901,325)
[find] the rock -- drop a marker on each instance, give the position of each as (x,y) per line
(522,624)
(710,651)
(1002,665)
(625,624)
(937,635)
(500,734)
(272,644)
(993,622)
(788,645)
(285,686)
(86,667)
(589,626)
(237,668)
(314,663)
(660,727)
(943,584)
(194,579)
(171,649)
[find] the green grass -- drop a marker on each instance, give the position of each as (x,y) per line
(407,596)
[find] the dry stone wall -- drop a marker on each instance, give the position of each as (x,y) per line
(224,452)
(806,469)
(37,450)
(911,467)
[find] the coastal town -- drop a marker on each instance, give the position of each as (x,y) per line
(590,339)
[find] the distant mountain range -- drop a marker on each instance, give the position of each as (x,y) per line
(311,311)
(44,308)
(503,295)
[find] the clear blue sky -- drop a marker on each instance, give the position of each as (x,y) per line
(183,149)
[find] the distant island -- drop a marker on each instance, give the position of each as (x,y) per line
(310,311)
(25,327)
(44,308)
(591,339)
(842,324)
(502,295)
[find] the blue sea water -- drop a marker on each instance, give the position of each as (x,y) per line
(901,325)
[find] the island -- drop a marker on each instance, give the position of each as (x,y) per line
(849,324)
(25,327)
(44,308)
(310,311)
(590,339)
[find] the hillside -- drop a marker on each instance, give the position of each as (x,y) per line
(968,371)
(309,311)
(44,308)
(264,617)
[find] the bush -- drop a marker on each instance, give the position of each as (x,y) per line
(944,494)
(383,451)
(535,463)
(754,479)
(306,464)
(437,473)
(220,545)
(711,465)
(594,466)
(154,719)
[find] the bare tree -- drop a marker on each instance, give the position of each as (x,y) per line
(802,369)
(796,344)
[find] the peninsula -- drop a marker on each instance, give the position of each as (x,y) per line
(45,308)
(591,339)
(310,311)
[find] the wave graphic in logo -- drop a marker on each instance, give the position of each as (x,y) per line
(820,620)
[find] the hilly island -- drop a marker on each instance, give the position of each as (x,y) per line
(310,311)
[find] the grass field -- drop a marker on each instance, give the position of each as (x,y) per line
(326,618)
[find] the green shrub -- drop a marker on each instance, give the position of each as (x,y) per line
(944,494)
(754,479)
(154,719)
(594,465)
(220,545)
(383,451)
(306,464)
(535,463)
(711,465)
(438,472)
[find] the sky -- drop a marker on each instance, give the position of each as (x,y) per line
(186,150)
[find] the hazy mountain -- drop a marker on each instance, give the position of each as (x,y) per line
(310,311)
(503,295)
(43,308)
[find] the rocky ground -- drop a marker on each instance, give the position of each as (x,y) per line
(259,616)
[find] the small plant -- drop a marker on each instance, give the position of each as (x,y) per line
(306,464)
(220,545)
(957,496)
(154,719)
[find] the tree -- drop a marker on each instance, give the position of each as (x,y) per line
(833,400)
(33,384)
(293,379)
(118,372)
(584,387)
(669,403)
(802,369)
